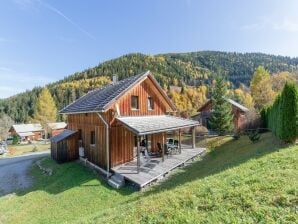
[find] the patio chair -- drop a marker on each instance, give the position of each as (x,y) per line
(171,141)
(167,150)
(176,146)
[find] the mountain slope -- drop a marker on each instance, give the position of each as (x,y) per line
(194,69)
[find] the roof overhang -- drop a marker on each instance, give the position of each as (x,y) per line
(63,135)
(144,125)
(25,134)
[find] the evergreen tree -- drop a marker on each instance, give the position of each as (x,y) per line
(221,117)
(288,113)
(46,110)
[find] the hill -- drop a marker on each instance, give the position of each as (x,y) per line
(185,69)
(237,182)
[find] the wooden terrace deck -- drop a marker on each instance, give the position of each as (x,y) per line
(154,169)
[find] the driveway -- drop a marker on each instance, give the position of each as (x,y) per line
(14,172)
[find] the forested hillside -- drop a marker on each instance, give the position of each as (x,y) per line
(193,72)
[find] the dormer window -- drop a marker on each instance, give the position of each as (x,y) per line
(150,103)
(134,102)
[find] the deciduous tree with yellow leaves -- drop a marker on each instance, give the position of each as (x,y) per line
(46,110)
(261,88)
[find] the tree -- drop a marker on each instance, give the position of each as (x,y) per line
(261,88)
(279,80)
(46,110)
(288,113)
(5,123)
(221,117)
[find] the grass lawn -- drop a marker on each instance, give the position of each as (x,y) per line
(16,150)
(237,182)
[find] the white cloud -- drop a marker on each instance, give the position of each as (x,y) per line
(285,24)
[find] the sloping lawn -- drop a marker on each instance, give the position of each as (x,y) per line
(16,150)
(237,182)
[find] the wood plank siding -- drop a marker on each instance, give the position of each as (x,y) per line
(85,124)
(144,90)
(65,150)
(122,141)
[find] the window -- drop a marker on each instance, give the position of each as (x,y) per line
(92,140)
(150,103)
(80,134)
(134,102)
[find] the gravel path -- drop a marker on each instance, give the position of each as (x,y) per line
(14,172)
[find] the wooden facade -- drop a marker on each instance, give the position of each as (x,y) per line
(122,142)
(66,149)
(238,115)
(37,135)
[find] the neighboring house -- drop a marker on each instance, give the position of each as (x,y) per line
(27,131)
(238,112)
(110,122)
(56,128)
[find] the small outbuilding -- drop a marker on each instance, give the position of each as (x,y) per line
(64,146)
(55,128)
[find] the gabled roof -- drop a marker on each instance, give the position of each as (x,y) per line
(238,105)
(233,102)
(142,125)
(19,128)
(57,125)
(63,135)
(101,99)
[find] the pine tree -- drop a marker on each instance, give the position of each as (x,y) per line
(46,110)
(221,117)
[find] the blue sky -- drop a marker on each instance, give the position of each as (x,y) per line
(42,41)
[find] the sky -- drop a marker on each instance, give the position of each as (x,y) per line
(42,41)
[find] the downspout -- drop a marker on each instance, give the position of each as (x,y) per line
(107,143)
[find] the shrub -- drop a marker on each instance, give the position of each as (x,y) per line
(282,117)
(254,136)
(201,130)
(236,135)
(35,149)
(15,140)
(12,151)
(252,121)
(289,111)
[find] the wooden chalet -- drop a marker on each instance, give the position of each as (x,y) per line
(27,132)
(112,121)
(238,112)
(55,128)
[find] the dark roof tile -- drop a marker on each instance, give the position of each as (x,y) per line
(98,99)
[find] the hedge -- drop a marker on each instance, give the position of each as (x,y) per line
(282,117)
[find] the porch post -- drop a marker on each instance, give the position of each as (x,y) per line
(193,137)
(163,147)
(179,141)
(138,154)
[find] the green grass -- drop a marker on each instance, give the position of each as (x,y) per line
(236,182)
(16,150)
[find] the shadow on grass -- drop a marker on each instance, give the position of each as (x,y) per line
(230,154)
(67,176)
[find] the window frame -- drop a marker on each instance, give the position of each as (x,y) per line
(150,105)
(137,101)
(92,138)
